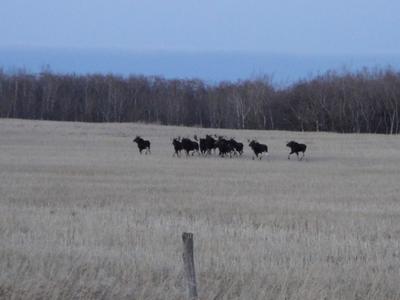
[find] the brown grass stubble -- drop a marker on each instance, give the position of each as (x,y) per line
(83,215)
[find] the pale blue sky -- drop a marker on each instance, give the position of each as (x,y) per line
(283,26)
(346,28)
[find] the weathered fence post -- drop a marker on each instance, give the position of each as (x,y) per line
(188,262)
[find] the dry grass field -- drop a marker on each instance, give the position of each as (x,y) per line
(84,216)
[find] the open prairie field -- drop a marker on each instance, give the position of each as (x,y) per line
(84,216)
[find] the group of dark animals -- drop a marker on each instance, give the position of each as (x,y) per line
(205,146)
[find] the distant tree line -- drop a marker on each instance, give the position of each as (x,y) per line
(364,101)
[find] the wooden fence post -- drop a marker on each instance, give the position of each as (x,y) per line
(188,262)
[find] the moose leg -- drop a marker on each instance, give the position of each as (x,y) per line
(302,156)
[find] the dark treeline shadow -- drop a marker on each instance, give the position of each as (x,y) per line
(365,101)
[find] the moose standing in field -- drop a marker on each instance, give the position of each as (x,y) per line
(210,143)
(142,145)
(224,146)
(237,147)
(258,148)
(202,143)
(176,142)
(296,148)
(188,145)
(203,146)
